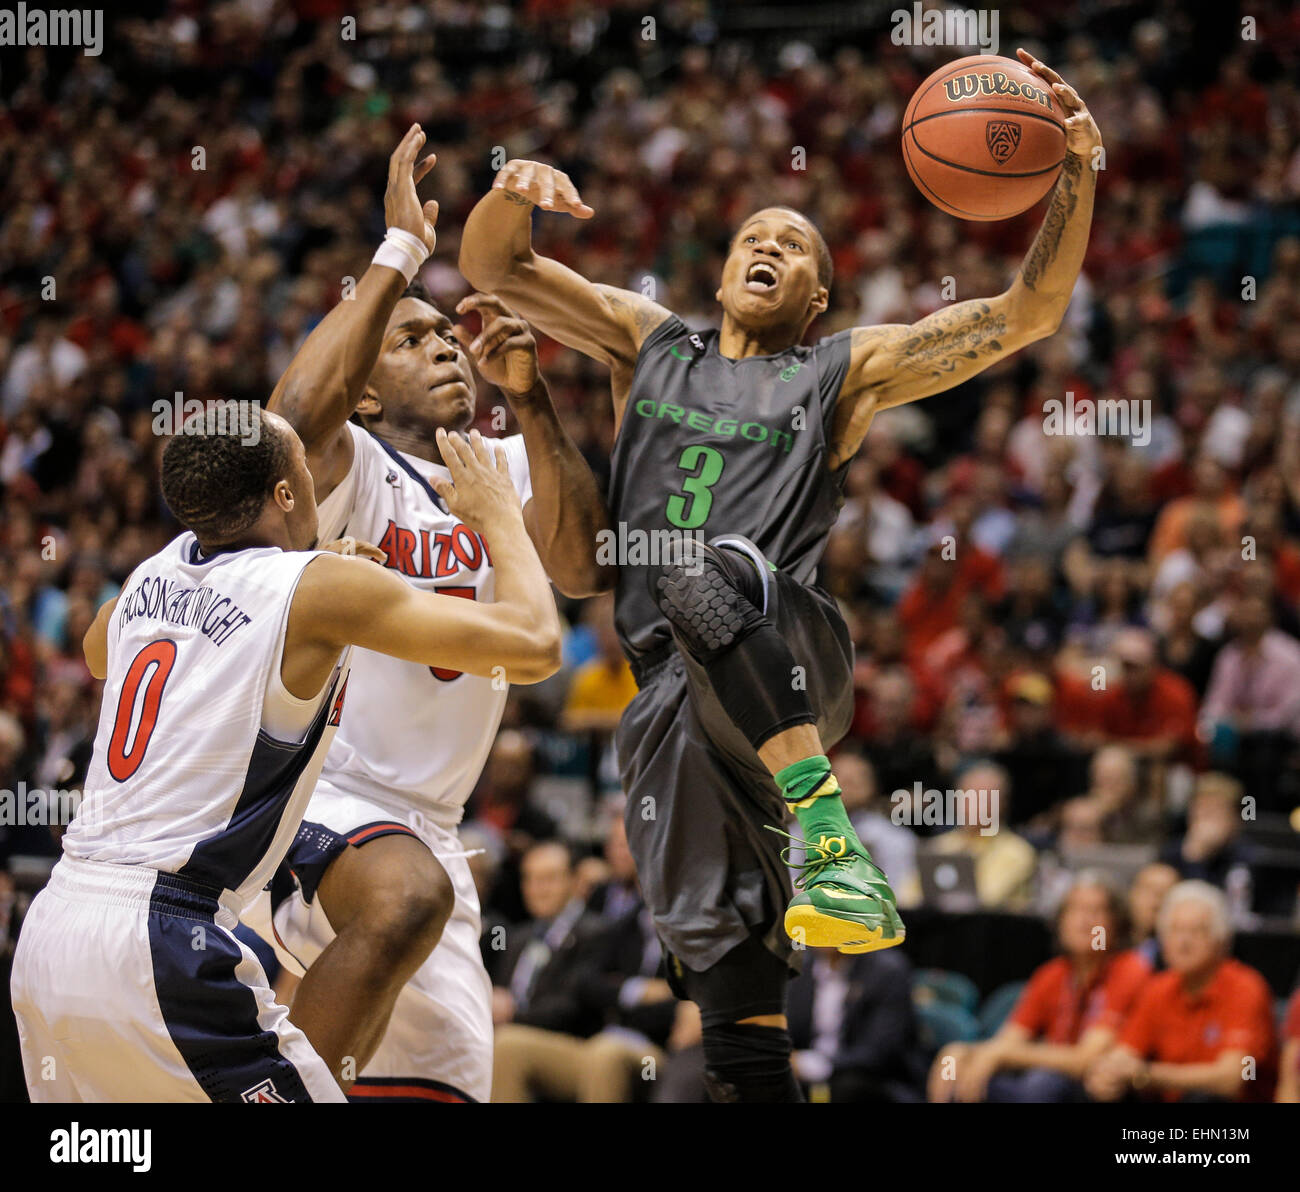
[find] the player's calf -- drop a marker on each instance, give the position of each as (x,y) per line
(387,903)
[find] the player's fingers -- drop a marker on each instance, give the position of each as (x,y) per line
(1043,71)
(572,200)
(422,168)
(395,158)
(480,301)
(479,447)
(520,342)
(547,189)
(495,334)
(452,448)
(503,465)
(431,212)
(1068,96)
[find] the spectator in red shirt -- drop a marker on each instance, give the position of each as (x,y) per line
(931,606)
(1067,1016)
(1153,710)
(1203,1030)
(1288,1080)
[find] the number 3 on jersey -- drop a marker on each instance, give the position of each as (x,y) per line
(155,660)
(705,464)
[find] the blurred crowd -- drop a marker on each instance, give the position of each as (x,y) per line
(1102,629)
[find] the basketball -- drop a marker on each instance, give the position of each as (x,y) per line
(984,138)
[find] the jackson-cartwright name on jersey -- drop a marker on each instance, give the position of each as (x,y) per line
(217,616)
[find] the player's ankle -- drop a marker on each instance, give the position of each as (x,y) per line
(808,778)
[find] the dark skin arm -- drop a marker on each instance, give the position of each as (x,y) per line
(327,378)
(566,511)
(897,363)
(342,601)
(604,322)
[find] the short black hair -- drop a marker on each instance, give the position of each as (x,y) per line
(825,266)
(214,481)
(419,291)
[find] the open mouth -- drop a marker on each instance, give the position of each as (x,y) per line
(760,278)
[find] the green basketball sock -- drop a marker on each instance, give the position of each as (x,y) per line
(814,795)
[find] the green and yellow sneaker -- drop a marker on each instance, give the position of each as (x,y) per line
(844,899)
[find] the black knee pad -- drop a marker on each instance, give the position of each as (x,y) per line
(747,1063)
(705,593)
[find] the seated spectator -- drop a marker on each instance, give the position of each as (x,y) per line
(1129,816)
(1288,1075)
(1211,491)
(1004,862)
(1042,766)
(1252,705)
(1210,850)
(1145,897)
(620,1011)
(1201,1031)
(1067,1016)
(501,804)
(1152,710)
(1184,649)
(931,605)
(853,1028)
(892,845)
(899,754)
(602,687)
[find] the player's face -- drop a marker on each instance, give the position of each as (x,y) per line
(770,276)
(422,380)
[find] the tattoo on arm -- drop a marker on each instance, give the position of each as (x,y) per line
(646,316)
(942,342)
(1064,200)
(516,198)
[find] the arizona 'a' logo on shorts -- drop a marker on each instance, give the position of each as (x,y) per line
(1002,138)
(263,1094)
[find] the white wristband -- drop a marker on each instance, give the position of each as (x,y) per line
(403,252)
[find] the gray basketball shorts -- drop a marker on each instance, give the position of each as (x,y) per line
(698,798)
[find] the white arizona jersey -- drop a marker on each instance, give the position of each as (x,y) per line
(204,762)
(422,733)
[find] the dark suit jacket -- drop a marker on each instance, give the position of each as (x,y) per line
(877,1038)
(555,1001)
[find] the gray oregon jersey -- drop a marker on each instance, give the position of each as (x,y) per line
(710,446)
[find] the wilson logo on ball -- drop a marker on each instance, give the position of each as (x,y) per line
(1002,138)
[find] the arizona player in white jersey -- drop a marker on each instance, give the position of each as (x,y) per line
(375,900)
(225,662)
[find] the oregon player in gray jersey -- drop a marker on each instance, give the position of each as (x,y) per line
(730,453)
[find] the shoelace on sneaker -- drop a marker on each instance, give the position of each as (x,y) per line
(812,866)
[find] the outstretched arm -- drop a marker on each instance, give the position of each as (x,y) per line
(327,378)
(566,511)
(898,363)
(496,254)
(341,601)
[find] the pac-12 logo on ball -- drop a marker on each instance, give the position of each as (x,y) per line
(263,1094)
(1002,138)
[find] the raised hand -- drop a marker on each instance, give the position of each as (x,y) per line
(402,206)
(1081,132)
(479,492)
(504,351)
(542,185)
